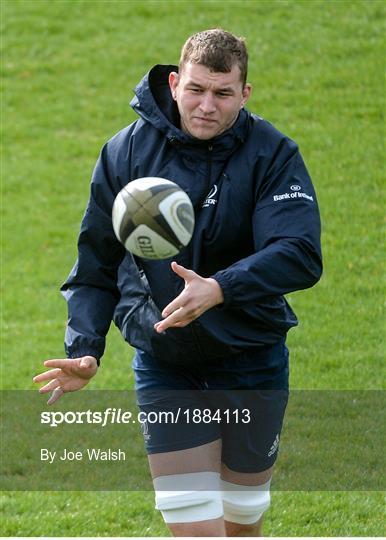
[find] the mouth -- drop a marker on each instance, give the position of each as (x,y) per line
(208,121)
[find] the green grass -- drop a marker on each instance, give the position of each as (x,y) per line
(131,514)
(69,69)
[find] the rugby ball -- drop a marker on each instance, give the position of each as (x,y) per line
(153,218)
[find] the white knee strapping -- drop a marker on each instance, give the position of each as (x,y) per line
(244,504)
(186,498)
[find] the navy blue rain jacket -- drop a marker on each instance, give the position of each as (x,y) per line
(257,233)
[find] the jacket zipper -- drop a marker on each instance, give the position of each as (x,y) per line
(208,171)
(207,189)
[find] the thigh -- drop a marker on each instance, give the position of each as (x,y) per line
(168,397)
(206,457)
(252,407)
(251,435)
(246,479)
(188,490)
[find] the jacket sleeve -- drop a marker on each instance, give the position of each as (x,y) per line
(286,232)
(91,288)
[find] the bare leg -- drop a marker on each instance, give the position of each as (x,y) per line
(245,479)
(206,457)
(210,527)
(237,529)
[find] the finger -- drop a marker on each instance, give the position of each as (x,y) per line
(61,363)
(176,304)
(49,387)
(47,375)
(56,394)
(178,316)
(161,328)
(183,272)
(179,324)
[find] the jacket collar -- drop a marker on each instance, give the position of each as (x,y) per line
(153,102)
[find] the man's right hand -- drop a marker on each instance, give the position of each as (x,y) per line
(68,375)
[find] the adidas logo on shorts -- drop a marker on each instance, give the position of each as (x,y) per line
(274,446)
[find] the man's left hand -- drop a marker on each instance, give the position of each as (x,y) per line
(199,295)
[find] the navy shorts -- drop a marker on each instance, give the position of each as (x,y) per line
(240,400)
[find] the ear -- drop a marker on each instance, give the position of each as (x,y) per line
(173,83)
(247,90)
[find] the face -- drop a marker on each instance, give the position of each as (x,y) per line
(208,102)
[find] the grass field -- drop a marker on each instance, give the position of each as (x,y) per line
(69,68)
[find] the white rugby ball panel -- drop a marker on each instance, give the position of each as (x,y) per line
(142,184)
(173,208)
(119,210)
(146,243)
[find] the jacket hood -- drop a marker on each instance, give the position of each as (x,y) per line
(154,103)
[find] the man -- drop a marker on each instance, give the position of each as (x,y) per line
(215,318)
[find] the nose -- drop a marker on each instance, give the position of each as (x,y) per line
(207,103)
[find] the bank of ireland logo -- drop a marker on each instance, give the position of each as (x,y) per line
(210,200)
(296,193)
